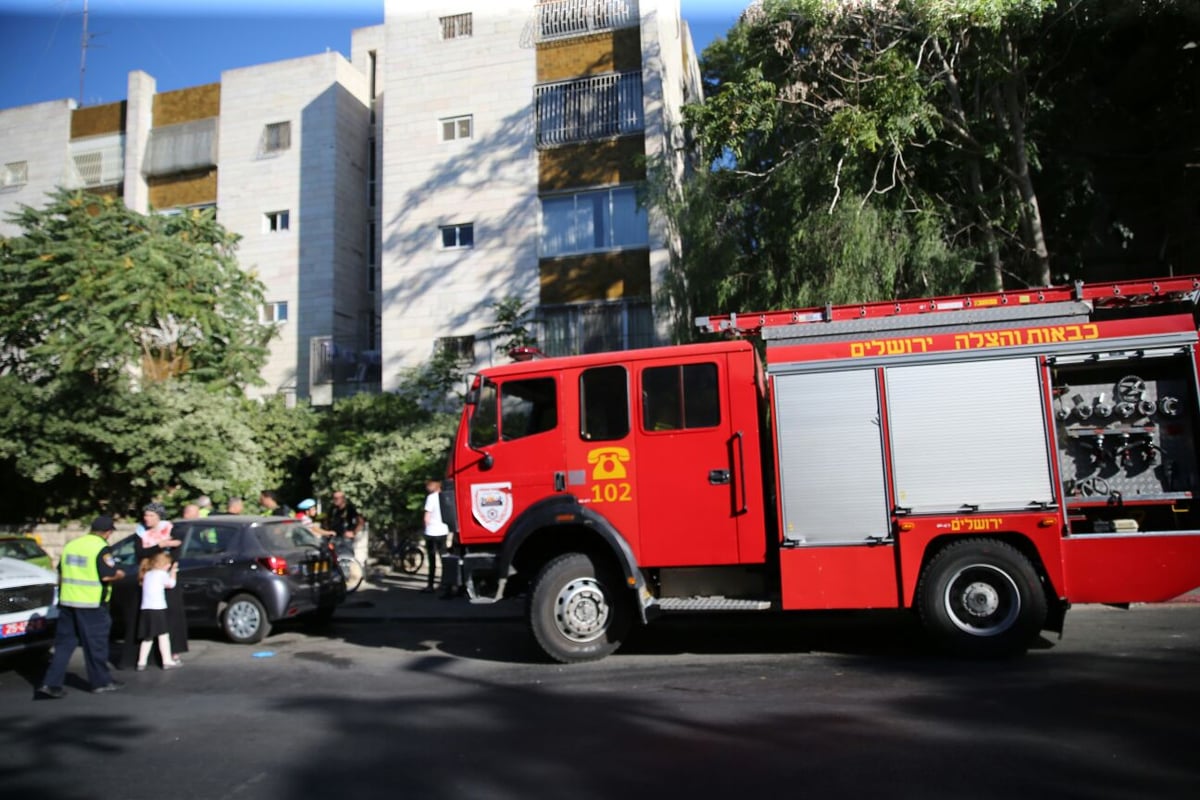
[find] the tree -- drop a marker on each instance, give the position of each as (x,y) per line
(856,150)
(380,450)
(91,288)
(125,341)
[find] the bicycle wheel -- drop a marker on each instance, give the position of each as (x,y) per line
(410,560)
(352,571)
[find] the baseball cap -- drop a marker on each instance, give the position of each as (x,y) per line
(102,524)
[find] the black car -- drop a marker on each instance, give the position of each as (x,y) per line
(243,574)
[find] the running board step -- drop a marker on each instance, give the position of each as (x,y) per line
(716,603)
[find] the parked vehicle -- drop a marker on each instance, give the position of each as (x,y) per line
(25,548)
(243,574)
(28,606)
(984,460)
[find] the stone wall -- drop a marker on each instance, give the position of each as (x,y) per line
(53,538)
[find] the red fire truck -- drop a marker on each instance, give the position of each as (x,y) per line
(985,460)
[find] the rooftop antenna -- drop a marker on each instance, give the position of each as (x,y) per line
(83,46)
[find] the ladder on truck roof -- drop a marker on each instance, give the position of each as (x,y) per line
(983,304)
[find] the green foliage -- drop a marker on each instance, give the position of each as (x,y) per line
(289,439)
(855,150)
(383,471)
(94,289)
(512,325)
(71,452)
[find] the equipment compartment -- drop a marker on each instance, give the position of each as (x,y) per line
(1126,428)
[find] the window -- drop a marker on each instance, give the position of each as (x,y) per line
(455,237)
(675,398)
(208,540)
(274,312)
(456,128)
(588,222)
(527,407)
(455,27)
(603,404)
(277,136)
(483,420)
(276,221)
(16,173)
(462,348)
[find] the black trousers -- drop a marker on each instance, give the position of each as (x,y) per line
(435,550)
(83,627)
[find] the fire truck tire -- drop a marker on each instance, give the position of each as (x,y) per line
(981,598)
(578,612)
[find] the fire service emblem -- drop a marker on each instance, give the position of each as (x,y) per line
(491,503)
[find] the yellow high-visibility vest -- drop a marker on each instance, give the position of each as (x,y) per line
(81,585)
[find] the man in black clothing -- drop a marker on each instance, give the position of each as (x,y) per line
(344,519)
(270,501)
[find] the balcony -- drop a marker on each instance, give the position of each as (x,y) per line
(559,19)
(182,147)
(587,109)
(337,368)
(97,161)
(597,327)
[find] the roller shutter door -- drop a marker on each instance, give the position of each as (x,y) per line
(830,457)
(968,435)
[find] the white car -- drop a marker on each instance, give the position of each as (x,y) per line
(28,606)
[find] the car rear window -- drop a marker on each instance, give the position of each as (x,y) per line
(23,549)
(281,538)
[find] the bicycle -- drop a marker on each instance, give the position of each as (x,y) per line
(405,555)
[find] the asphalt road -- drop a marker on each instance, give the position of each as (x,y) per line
(820,706)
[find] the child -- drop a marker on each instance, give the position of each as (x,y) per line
(156,574)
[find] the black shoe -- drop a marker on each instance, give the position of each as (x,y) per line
(53,692)
(115,686)
(427,590)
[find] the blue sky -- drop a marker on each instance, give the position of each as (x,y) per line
(185,43)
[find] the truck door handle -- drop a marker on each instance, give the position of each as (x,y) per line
(560,481)
(718,476)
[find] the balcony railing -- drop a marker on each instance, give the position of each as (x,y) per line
(588,108)
(596,327)
(558,19)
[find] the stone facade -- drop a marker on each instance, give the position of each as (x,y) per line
(372,186)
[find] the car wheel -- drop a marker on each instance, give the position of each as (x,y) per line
(245,620)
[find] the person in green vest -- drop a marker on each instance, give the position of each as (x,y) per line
(84,569)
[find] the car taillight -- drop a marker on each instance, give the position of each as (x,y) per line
(275,564)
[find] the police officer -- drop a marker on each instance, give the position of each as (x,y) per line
(86,565)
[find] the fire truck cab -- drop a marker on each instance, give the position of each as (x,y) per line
(984,460)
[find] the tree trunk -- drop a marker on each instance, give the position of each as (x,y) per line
(1015,123)
(974,172)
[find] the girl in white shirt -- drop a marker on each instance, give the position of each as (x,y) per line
(156,574)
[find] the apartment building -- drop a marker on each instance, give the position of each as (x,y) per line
(516,138)
(464,154)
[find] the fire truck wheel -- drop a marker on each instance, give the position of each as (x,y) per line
(576,611)
(981,598)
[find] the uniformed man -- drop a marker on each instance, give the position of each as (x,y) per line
(84,569)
